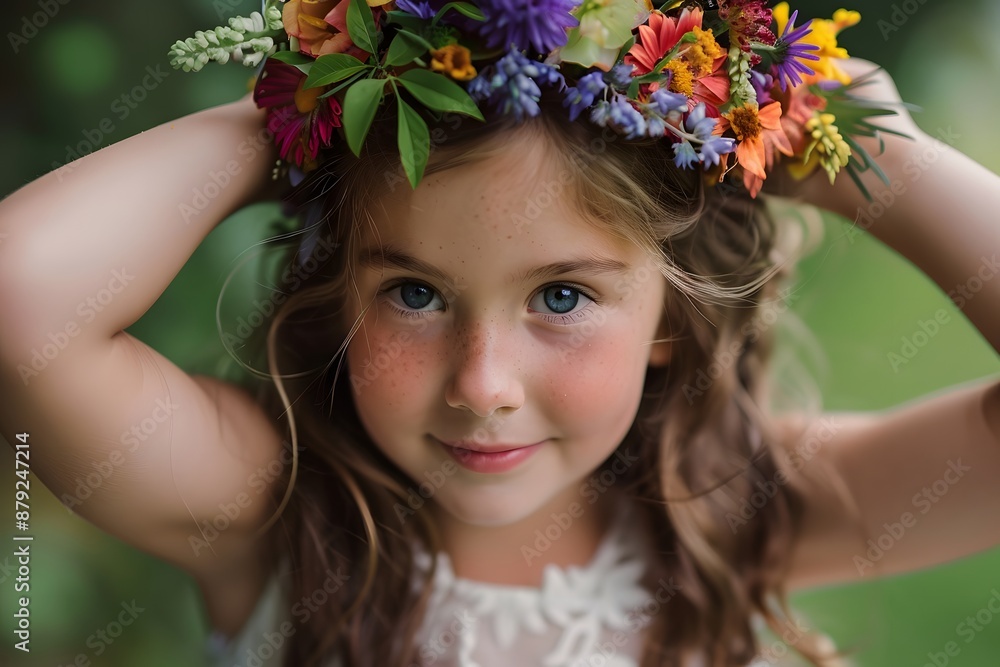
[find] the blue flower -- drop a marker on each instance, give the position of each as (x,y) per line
(712,150)
(698,124)
(684,155)
(600,113)
(620,75)
(583,95)
(541,24)
(421,8)
(627,118)
(665,101)
(656,127)
(511,84)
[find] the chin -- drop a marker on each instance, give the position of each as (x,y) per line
(490,509)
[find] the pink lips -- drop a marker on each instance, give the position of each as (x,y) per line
(499,458)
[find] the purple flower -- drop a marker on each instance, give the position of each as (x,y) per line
(583,95)
(762,85)
(789,53)
(421,8)
(540,23)
(511,84)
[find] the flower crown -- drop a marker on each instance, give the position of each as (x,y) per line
(722,80)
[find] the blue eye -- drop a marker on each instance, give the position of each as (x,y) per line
(414,296)
(561,300)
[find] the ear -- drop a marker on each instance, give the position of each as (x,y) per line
(660,353)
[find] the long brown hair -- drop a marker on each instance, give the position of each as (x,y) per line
(703,429)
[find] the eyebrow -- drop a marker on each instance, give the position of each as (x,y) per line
(389,256)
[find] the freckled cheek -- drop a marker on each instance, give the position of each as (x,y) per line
(390,368)
(598,378)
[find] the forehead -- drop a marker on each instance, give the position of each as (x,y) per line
(516,207)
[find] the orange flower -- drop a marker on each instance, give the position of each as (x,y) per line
(455,61)
(759,133)
(321,26)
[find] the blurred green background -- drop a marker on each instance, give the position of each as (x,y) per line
(859,298)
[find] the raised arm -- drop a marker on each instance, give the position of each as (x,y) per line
(924,474)
(120,434)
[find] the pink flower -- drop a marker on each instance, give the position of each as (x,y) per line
(300,120)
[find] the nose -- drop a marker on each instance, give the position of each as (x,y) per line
(485,375)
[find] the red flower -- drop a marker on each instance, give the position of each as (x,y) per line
(301,122)
(659,36)
(749,21)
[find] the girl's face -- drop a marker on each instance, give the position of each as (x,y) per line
(500,317)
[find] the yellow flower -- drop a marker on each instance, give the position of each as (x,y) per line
(455,61)
(827,148)
(702,54)
(683,80)
(824,35)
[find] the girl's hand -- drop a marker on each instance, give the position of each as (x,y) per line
(892,153)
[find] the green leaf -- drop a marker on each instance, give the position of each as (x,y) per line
(361,26)
(291,58)
(465,8)
(333,67)
(360,103)
(437,91)
(414,142)
(343,84)
(405,47)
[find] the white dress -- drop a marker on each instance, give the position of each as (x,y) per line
(579,617)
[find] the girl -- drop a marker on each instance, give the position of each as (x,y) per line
(518,413)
